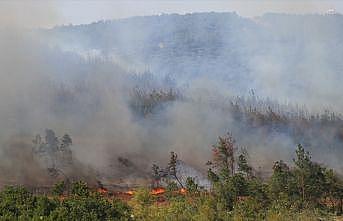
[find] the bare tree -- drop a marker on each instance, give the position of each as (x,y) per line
(172,167)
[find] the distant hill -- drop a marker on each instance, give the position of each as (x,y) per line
(176,82)
(280,55)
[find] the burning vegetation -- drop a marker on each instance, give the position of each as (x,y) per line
(236,191)
(232,188)
(123,123)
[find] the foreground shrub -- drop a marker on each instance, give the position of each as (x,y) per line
(16,203)
(90,208)
(80,188)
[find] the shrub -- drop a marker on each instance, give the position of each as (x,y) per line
(59,188)
(80,188)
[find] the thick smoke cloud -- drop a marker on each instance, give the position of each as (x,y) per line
(91,109)
(86,91)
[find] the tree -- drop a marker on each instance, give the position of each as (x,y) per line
(334,190)
(191,185)
(258,190)
(212,176)
(310,176)
(224,155)
(80,188)
(302,163)
(172,167)
(243,165)
(226,184)
(156,175)
(237,186)
(282,182)
(66,141)
(15,202)
(59,188)
(44,206)
(50,139)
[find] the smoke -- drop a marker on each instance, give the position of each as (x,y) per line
(299,64)
(92,110)
(42,85)
(32,100)
(28,14)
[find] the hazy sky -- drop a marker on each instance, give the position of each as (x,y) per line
(33,13)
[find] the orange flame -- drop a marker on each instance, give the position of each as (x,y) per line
(102,190)
(157,191)
(183,191)
(130,192)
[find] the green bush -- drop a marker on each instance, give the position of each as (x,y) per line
(80,188)
(59,188)
(16,201)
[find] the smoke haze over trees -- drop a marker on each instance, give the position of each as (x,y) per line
(144,86)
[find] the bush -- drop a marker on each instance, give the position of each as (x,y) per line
(249,209)
(59,188)
(191,186)
(16,201)
(80,188)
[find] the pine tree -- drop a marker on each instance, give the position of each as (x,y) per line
(156,175)
(243,165)
(224,155)
(302,162)
(172,167)
(66,141)
(310,176)
(282,182)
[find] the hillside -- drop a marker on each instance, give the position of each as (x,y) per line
(287,57)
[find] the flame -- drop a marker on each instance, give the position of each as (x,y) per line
(130,192)
(102,190)
(183,191)
(157,191)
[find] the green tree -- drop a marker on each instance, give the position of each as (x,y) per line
(310,176)
(258,190)
(224,155)
(226,184)
(156,175)
(44,206)
(237,185)
(16,201)
(334,190)
(282,182)
(59,188)
(243,165)
(303,165)
(191,186)
(80,188)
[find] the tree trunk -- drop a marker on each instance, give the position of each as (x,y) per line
(303,187)
(177,179)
